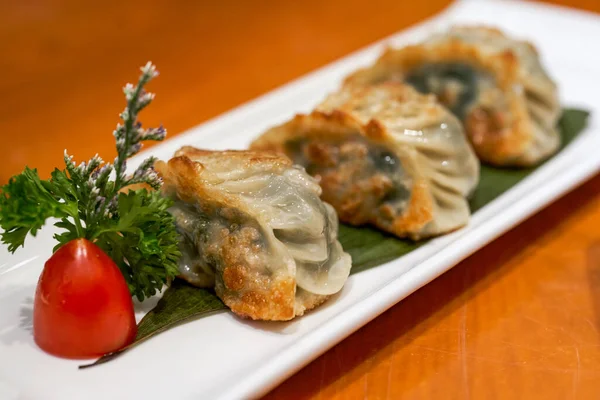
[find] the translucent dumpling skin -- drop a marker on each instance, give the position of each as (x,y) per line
(254,228)
(494,84)
(386,156)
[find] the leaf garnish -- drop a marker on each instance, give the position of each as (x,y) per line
(25,204)
(368,247)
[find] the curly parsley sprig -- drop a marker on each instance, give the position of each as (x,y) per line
(93,200)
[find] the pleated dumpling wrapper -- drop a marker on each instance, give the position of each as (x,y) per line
(494,84)
(254,228)
(384,155)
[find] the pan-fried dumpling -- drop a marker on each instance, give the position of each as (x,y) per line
(384,155)
(255,229)
(496,86)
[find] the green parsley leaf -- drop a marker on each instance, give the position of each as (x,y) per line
(143,241)
(25,204)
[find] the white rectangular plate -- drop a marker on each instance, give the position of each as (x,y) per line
(224,357)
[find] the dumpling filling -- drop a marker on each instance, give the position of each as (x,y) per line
(455,85)
(207,233)
(364,180)
(469,93)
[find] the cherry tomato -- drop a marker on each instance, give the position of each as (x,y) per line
(82,307)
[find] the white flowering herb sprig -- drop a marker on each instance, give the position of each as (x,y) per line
(94,200)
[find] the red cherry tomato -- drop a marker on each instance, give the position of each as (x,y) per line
(82,307)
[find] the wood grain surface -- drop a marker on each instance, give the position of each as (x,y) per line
(518,319)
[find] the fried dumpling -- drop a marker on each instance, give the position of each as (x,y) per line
(384,155)
(254,228)
(494,84)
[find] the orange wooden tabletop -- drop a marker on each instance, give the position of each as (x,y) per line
(518,319)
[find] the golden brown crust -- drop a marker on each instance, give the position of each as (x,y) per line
(262,159)
(191,171)
(421,211)
(248,291)
(180,175)
(267,300)
(388,101)
(306,301)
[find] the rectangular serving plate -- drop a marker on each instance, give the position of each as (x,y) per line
(224,357)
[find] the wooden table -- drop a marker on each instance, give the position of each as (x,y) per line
(518,319)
